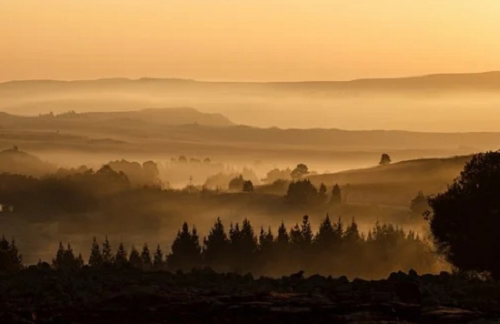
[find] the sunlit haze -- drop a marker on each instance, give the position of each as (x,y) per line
(258,40)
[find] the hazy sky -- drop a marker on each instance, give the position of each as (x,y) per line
(246,39)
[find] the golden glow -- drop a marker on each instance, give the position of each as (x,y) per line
(246,39)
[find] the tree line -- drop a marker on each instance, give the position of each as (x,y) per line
(335,249)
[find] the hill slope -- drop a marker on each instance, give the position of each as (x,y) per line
(447,102)
(395,184)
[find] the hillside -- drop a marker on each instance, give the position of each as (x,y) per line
(18,162)
(447,102)
(395,184)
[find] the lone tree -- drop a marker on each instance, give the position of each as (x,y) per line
(248,186)
(336,198)
(464,220)
(385,159)
(418,205)
(299,171)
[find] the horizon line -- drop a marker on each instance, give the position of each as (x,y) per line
(145,78)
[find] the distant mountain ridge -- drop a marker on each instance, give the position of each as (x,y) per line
(160,116)
(440,102)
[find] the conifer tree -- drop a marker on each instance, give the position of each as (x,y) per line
(306,233)
(95,259)
(322,192)
(15,257)
(216,247)
(70,262)
(121,256)
(351,234)
(325,239)
(295,237)
(10,260)
(135,258)
(146,256)
(107,253)
(283,239)
(158,258)
(336,198)
(58,262)
(79,261)
(186,250)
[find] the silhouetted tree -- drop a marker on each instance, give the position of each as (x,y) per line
(65,259)
(466,217)
(322,192)
(135,258)
(248,186)
(121,257)
(301,192)
(236,184)
(10,259)
(146,257)
(385,159)
(300,171)
(418,206)
(216,247)
(283,239)
(306,233)
(186,250)
(58,262)
(326,238)
(107,253)
(95,259)
(336,195)
(158,258)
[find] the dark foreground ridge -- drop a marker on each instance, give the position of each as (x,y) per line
(38,295)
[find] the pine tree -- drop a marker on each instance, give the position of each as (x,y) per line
(107,253)
(134,258)
(70,262)
(283,239)
(295,237)
(95,259)
(146,256)
(79,261)
(158,258)
(306,233)
(10,260)
(186,250)
(336,198)
(121,256)
(15,257)
(58,262)
(325,239)
(216,247)
(351,234)
(322,192)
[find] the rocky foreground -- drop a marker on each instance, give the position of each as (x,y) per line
(130,296)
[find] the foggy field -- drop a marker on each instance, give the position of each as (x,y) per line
(173,165)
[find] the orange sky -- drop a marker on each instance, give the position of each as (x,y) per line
(258,40)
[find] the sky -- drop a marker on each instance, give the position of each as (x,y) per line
(246,40)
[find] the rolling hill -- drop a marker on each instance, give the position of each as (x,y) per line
(443,102)
(395,184)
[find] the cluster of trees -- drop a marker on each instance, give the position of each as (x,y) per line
(60,194)
(139,175)
(10,259)
(336,249)
(303,192)
(184,159)
(231,180)
(240,184)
